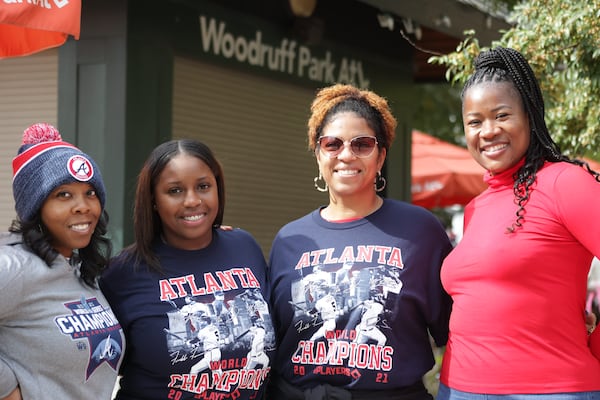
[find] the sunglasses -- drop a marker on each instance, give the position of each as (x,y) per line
(361,146)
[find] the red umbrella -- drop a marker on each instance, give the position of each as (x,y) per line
(28,27)
(443,174)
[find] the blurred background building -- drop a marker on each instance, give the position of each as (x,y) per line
(238,75)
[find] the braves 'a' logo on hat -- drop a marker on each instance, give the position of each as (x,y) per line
(80,168)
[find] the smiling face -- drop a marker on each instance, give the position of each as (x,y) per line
(496,125)
(187,202)
(346,174)
(70,215)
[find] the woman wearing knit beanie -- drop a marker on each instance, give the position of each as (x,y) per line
(59,339)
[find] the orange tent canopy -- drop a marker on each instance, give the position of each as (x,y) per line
(443,174)
(30,27)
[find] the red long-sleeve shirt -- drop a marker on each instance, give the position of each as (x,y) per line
(517,323)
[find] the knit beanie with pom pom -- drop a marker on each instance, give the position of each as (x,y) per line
(45,162)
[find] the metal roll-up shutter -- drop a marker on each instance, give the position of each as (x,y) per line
(28,94)
(257,129)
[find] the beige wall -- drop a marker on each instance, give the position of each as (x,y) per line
(28,94)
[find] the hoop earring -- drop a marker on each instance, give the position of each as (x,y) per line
(320,188)
(379,182)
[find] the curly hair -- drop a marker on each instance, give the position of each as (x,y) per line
(508,65)
(339,98)
(94,257)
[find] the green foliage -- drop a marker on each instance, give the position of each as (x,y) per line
(438,112)
(560,39)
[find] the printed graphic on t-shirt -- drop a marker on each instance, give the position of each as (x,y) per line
(341,307)
(91,320)
(223,332)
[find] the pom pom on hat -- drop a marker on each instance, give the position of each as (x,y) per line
(38,133)
(44,162)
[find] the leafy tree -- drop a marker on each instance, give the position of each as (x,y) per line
(438,112)
(560,39)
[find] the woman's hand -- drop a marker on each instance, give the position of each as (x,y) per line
(14,395)
(590,321)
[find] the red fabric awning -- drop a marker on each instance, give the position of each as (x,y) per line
(443,174)
(27,27)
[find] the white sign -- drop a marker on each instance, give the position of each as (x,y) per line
(285,57)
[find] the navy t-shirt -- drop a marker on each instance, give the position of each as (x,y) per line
(202,330)
(353,302)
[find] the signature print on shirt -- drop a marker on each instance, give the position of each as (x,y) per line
(360,297)
(225,340)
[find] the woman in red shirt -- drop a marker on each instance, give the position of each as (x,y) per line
(518,277)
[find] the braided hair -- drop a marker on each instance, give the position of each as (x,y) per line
(508,65)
